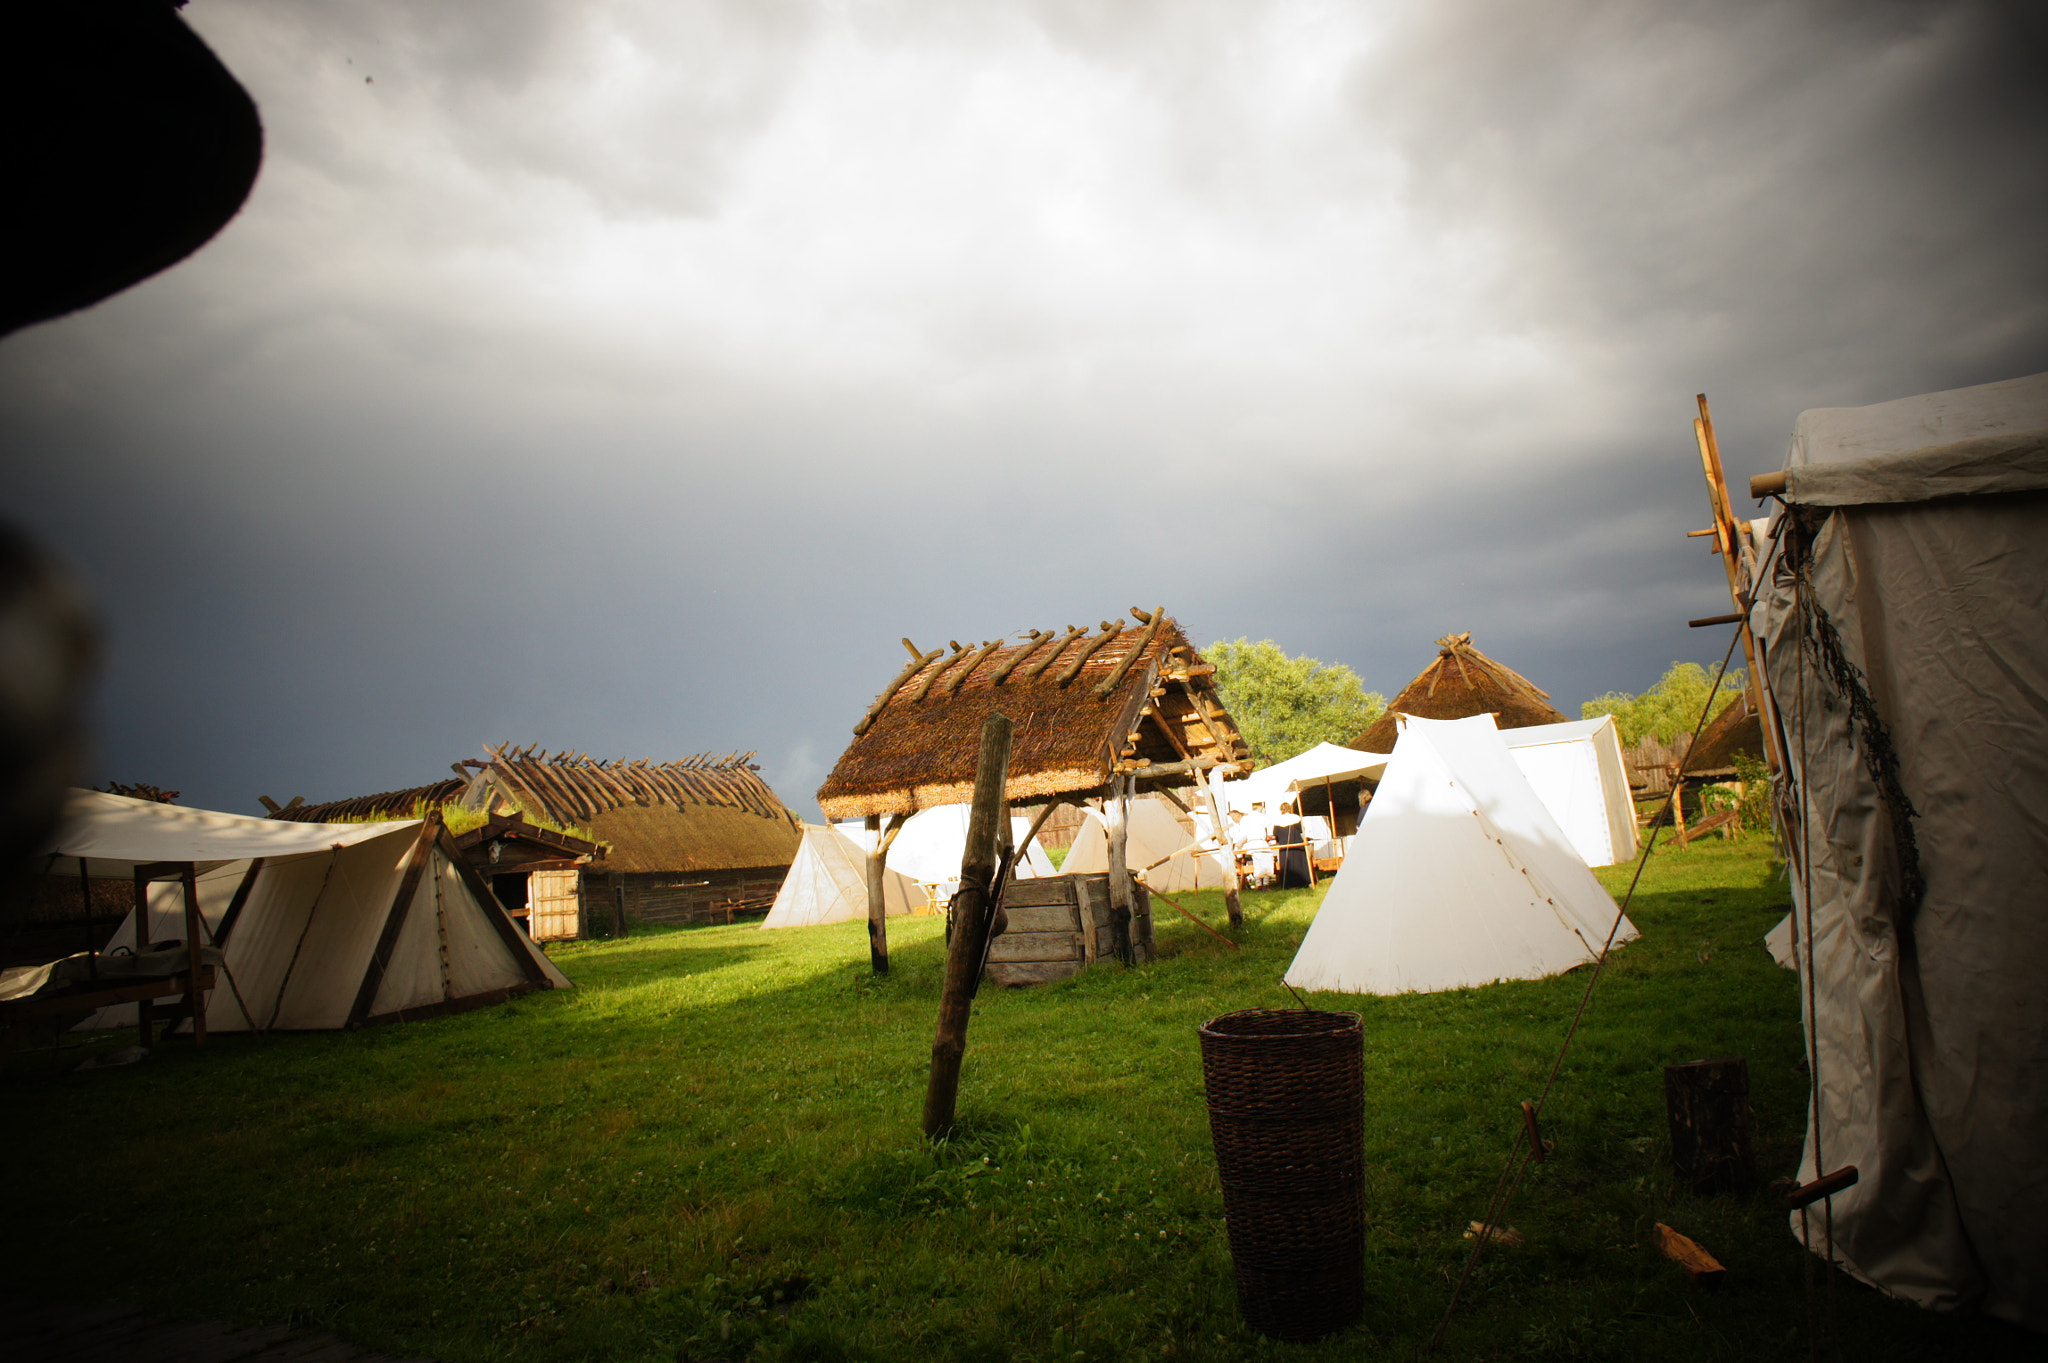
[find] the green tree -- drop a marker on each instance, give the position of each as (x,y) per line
(1284,705)
(1669,708)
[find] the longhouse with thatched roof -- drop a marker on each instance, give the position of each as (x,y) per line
(1462,682)
(702,839)
(1130,700)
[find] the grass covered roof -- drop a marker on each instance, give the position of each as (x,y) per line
(1085,706)
(1460,683)
(701,813)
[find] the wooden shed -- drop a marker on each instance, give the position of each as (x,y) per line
(700,840)
(1128,708)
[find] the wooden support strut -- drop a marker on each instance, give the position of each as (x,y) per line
(1034,638)
(1116,674)
(1726,538)
(1057,649)
(952,682)
(972,918)
(910,670)
(1110,630)
(924,687)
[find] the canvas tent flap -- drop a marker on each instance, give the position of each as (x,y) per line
(1325,761)
(933,842)
(1458,876)
(116,834)
(827,883)
(1929,1021)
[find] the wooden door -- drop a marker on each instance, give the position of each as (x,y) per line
(551,903)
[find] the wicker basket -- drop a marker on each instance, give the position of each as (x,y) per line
(1286,1112)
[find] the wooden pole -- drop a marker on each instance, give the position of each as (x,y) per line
(877,888)
(188,879)
(1116,816)
(1231,901)
(878,908)
(972,918)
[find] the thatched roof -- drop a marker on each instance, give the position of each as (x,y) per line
(1084,705)
(386,804)
(702,813)
(1735,730)
(1460,683)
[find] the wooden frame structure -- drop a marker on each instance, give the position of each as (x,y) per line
(1132,708)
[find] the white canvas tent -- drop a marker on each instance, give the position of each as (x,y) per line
(1153,833)
(1575,769)
(1325,761)
(827,883)
(1457,876)
(1899,617)
(321,926)
(934,841)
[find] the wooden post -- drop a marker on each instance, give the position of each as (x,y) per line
(1116,814)
(1231,901)
(92,944)
(877,888)
(188,877)
(619,905)
(972,918)
(1707,1105)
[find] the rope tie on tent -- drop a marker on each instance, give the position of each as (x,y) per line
(277,1004)
(1524,1151)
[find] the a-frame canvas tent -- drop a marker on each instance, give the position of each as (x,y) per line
(1898,599)
(1575,768)
(1153,836)
(827,883)
(321,926)
(1457,876)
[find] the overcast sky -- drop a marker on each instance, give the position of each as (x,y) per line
(629,377)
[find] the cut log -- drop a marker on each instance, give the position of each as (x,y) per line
(1704,1269)
(1707,1104)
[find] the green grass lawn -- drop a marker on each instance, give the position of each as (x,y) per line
(710,1150)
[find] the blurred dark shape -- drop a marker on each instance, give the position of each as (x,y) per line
(139,791)
(48,648)
(127,145)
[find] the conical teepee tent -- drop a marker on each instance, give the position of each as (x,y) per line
(827,883)
(1461,682)
(1458,876)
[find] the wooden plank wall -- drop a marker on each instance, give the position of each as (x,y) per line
(1059,926)
(673,897)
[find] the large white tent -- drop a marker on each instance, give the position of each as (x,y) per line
(827,883)
(1153,834)
(933,842)
(320,925)
(1575,768)
(1457,876)
(1325,761)
(1899,605)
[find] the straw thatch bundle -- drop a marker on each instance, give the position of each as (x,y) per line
(1084,706)
(1460,683)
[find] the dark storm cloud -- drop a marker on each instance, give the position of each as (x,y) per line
(629,377)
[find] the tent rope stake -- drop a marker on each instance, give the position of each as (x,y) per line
(1521,1153)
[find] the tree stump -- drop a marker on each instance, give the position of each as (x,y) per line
(1707,1102)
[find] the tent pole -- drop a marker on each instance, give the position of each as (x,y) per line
(145,1018)
(92,960)
(188,879)
(1231,901)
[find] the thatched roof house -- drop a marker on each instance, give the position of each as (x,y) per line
(1463,682)
(699,838)
(1130,699)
